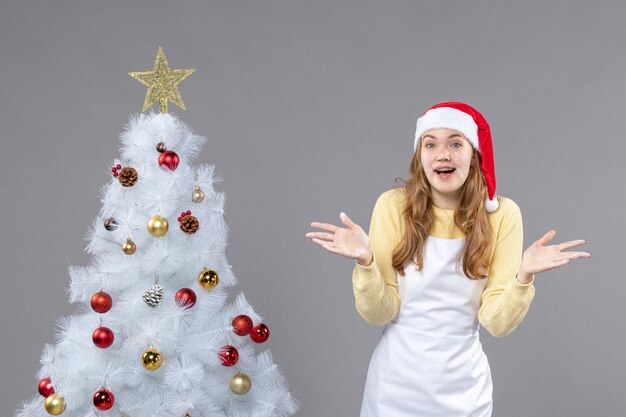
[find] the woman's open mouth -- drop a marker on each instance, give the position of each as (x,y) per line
(445,172)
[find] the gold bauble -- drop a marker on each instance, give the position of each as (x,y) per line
(157,226)
(129,247)
(240,383)
(55,404)
(151,359)
(197,195)
(208,279)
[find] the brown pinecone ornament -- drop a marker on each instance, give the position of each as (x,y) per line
(188,223)
(128,176)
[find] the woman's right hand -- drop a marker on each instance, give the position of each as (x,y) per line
(351,241)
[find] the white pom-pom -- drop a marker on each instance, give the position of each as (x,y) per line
(491,205)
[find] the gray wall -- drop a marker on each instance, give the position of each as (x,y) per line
(309,107)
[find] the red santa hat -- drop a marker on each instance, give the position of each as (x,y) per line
(472,124)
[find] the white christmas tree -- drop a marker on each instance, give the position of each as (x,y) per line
(155,334)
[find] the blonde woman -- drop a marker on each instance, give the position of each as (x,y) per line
(443,257)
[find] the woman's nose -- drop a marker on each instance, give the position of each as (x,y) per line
(443,156)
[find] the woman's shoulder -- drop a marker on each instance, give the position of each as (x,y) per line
(506,206)
(395,195)
(508,212)
(392,200)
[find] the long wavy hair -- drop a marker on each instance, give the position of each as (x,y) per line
(470,216)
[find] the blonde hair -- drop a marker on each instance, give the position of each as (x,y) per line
(470,216)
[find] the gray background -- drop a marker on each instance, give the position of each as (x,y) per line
(310,108)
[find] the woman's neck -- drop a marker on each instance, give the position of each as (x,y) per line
(446,202)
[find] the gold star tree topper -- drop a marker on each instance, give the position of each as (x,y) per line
(162,83)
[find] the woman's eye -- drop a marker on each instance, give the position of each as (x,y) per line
(429,145)
(456,144)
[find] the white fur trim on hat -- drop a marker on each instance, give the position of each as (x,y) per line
(447,117)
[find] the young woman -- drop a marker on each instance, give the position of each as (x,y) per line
(443,257)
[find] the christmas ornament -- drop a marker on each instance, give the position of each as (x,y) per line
(154,295)
(101,302)
(161,147)
(472,124)
(128,176)
(162,83)
(208,279)
(103,399)
(198,195)
(157,225)
(188,223)
(228,355)
(110,224)
(169,159)
(240,383)
(242,325)
(45,387)
(185,297)
(151,359)
(260,333)
(54,404)
(129,247)
(102,337)
(115,169)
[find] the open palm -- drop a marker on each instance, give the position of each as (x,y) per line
(350,241)
(540,257)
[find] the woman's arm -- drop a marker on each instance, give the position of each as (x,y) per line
(375,286)
(505,300)
(509,291)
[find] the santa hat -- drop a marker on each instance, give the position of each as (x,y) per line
(472,124)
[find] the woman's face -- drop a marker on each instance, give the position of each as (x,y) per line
(446,156)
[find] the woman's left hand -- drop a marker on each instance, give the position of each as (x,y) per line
(539,257)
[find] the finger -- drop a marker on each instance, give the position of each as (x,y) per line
(559,263)
(325,226)
(566,245)
(347,221)
(547,237)
(320,235)
(576,255)
(569,255)
(328,246)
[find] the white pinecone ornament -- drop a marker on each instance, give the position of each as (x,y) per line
(154,295)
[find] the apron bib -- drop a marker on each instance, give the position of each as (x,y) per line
(429,361)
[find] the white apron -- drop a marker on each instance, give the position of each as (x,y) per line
(429,361)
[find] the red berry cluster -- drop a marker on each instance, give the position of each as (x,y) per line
(184,214)
(115,169)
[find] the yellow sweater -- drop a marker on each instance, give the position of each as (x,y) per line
(504,301)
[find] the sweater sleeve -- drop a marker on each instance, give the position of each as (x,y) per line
(375,286)
(505,301)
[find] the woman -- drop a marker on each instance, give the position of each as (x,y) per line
(443,257)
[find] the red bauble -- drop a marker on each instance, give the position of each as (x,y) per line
(260,333)
(101,302)
(45,387)
(102,337)
(242,325)
(169,159)
(229,355)
(185,297)
(103,399)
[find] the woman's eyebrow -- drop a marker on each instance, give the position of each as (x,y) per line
(454,135)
